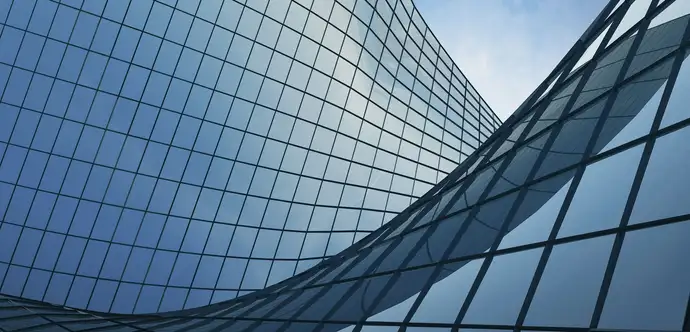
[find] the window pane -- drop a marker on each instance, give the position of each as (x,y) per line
(633,125)
(677,108)
(570,285)
(601,196)
(664,191)
(503,289)
(538,226)
(443,301)
(649,289)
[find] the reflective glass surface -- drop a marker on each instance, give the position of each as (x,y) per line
(572,218)
(214,140)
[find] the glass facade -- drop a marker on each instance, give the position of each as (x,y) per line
(161,155)
(573,216)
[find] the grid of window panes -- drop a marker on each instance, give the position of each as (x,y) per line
(579,223)
(160,155)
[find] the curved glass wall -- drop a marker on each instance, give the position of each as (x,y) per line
(160,155)
(573,216)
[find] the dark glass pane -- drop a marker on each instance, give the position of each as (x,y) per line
(602,194)
(581,266)
(649,289)
(503,289)
(664,190)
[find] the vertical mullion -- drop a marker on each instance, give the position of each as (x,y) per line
(587,73)
(487,262)
(637,181)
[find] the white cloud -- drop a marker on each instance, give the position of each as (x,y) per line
(507,47)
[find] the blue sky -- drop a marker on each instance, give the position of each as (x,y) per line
(507,47)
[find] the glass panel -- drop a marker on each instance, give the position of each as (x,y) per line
(512,138)
(677,108)
(538,226)
(520,167)
(396,313)
(601,79)
(570,285)
(634,124)
(664,190)
(649,289)
(445,298)
(476,189)
(572,140)
(656,44)
(602,194)
(503,289)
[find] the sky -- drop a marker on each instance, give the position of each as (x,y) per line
(507,47)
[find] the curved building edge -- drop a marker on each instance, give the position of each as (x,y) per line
(160,155)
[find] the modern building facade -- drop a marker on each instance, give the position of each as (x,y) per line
(573,216)
(161,155)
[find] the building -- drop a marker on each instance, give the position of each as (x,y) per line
(161,155)
(573,216)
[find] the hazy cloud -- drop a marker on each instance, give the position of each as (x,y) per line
(507,47)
